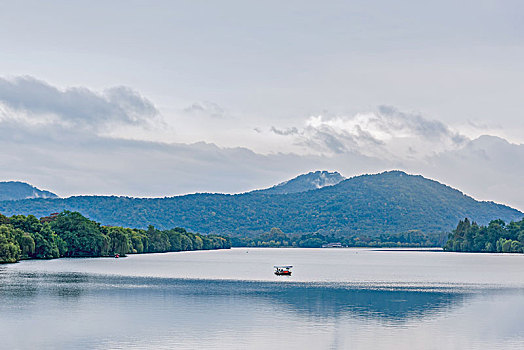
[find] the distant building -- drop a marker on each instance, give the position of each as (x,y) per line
(332,245)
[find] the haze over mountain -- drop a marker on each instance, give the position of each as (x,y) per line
(15,190)
(388,202)
(305,182)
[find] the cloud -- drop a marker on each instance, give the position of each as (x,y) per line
(482,125)
(75,107)
(325,139)
(71,161)
(206,109)
(60,143)
(285,132)
(392,121)
(386,133)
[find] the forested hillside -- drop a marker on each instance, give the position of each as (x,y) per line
(14,190)
(390,202)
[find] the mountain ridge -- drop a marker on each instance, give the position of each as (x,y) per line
(389,202)
(17,190)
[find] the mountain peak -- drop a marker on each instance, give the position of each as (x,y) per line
(305,182)
(15,190)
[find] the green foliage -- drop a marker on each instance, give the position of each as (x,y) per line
(83,236)
(368,205)
(495,237)
(9,248)
(119,240)
(277,238)
(36,239)
(73,235)
(4,220)
(26,243)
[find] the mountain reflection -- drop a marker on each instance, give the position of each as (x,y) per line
(392,305)
(310,300)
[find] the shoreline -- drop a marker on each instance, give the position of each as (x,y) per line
(109,256)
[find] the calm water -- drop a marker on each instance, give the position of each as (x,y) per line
(230,299)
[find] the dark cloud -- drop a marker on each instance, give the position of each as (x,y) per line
(325,139)
(396,120)
(285,132)
(332,142)
(367,137)
(78,106)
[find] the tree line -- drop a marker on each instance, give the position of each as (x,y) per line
(70,234)
(495,237)
(277,238)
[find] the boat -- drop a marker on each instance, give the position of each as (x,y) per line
(283,270)
(117,256)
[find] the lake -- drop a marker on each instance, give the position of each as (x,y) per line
(230,299)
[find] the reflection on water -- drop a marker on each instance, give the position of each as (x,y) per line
(388,305)
(68,285)
(78,310)
(308,299)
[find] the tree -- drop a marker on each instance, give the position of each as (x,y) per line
(4,220)
(158,240)
(137,242)
(9,249)
(82,236)
(175,240)
(119,241)
(26,243)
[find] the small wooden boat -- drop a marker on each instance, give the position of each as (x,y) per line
(283,270)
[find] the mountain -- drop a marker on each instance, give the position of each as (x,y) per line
(14,190)
(305,182)
(389,202)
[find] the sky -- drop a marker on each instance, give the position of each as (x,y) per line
(159,98)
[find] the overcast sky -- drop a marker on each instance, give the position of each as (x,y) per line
(155,98)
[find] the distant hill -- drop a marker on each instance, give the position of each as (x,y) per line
(305,182)
(389,202)
(14,190)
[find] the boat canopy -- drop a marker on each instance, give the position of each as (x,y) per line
(282,267)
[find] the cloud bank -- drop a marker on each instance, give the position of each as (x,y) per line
(76,107)
(56,139)
(387,133)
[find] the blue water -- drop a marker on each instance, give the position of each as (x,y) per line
(230,299)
